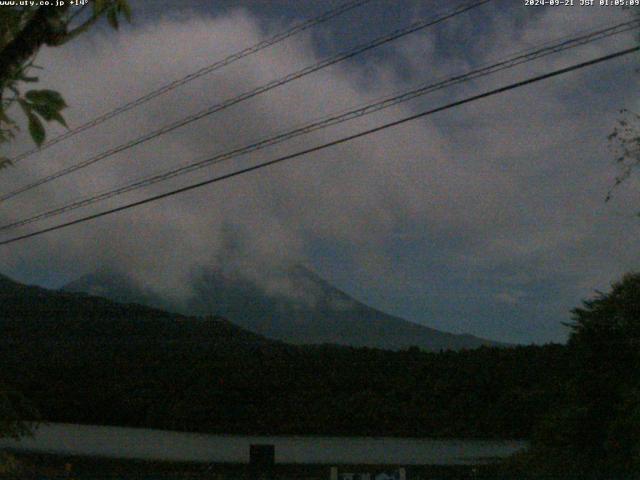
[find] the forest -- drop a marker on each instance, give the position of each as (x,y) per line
(83,359)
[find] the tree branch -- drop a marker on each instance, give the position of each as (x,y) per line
(44,28)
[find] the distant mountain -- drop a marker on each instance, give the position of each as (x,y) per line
(117,287)
(78,358)
(294,305)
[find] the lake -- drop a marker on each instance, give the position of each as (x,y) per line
(137,443)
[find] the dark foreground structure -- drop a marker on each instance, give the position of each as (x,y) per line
(57,467)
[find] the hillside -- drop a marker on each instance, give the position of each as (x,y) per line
(293,305)
(84,359)
(31,313)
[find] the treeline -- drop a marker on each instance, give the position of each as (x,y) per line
(85,359)
(287,390)
(593,432)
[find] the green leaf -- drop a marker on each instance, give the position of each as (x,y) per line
(99,6)
(112,17)
(47,113)
(36,129)
(46,97)
(125,9)
(56,117)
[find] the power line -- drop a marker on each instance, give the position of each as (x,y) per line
(414,27)
(279,37)
(386,102)
(291,156)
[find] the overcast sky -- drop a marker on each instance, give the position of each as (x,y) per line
(486,219)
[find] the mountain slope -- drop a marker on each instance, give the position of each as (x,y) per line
(293,305)
(30,313)
(85,359)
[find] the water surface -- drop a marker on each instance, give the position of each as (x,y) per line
(120,442)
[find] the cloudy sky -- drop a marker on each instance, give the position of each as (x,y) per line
(487,219)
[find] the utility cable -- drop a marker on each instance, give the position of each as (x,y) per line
(514,60)
(324,146)
(279,37)
(414,27)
